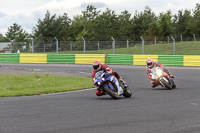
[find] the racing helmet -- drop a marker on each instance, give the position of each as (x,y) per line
(96,65)
(150,63)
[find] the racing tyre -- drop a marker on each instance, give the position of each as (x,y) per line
(112,93)
(173,84)
(166,84)
(127,93)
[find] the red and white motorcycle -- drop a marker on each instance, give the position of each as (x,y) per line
(162,78)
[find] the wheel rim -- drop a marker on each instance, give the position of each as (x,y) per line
(129,91)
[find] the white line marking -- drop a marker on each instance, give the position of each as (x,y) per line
(85,73)
(194,104)
(67,92)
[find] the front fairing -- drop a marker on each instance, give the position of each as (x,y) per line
(102,78)
(98,77)
(157,73)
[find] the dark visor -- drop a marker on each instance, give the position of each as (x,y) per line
(149,64)
(95,67)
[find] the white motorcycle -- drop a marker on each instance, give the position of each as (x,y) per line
(162,78)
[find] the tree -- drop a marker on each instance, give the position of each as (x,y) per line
(106,25)
(142,22)
(89,25)
(51,27)
(165,23)
(2,38)
(124,26)
(194,23)
(16,33)
(62,27)
(180,23)
(154,29)
(44,30)
(76,28)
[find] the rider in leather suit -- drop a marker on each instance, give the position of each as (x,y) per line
(150,66)
(97,66)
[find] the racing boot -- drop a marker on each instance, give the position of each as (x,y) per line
(99,92)
(171,76)
(123,83)
(153,84)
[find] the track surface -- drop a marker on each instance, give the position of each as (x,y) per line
(150,110)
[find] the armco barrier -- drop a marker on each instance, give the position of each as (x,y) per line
(171,60)
(33,58)
(89,58)
(9,58)
(141,59)
(120,59)
(191,60)
(61,58)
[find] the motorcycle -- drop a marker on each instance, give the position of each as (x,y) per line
(110,85)
(163,78)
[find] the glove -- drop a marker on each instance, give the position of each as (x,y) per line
(108,71)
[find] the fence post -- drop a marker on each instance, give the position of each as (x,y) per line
(142,45)
(32,45)
(127,44)
(98,46)
(194,37)
(83,44)
(70,46)
(181,38)
(113,45)
(155,40)
(56,45)
(174,50)
(168,39)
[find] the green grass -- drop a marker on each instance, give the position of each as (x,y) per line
(182,48)
(26,85)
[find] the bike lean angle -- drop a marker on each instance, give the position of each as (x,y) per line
(110,85)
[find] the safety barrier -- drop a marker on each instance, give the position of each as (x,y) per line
(61,58)
(141,59)
(120,59)
(168,60)
(33,58)
(191,60)
(9,58)
(89,58)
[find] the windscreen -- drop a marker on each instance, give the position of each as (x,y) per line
(98,74)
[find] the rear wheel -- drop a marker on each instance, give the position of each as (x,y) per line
(165,83)
(113,93)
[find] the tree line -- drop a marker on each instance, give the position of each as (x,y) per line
(95,25)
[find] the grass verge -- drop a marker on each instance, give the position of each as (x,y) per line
(27,85)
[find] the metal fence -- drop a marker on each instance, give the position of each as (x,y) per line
(143,46)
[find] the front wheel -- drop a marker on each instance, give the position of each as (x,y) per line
(127,93)
(173,84)
(113,93)
(165,83)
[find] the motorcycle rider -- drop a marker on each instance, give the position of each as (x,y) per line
(97,66)
(151,65)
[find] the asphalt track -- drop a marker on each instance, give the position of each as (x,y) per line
(149,110)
